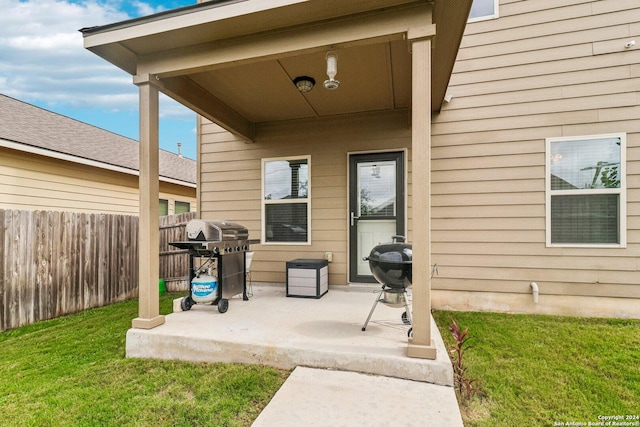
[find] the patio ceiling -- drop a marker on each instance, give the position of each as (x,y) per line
(372,77)
(234,62)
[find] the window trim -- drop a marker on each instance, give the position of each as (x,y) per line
(264,202)
(495,15)
(622,191)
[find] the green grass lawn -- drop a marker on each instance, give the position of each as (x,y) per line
(72,372)
(532,371)
(541,370)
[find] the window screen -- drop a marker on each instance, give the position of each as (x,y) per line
(586,203)
(585,219)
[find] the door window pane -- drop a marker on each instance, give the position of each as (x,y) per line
(377,188)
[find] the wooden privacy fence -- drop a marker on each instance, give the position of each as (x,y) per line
(56,263)
(174,262)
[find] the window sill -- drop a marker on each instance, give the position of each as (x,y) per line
(285,243)
(586,245)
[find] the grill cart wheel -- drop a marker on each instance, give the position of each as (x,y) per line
(223,305)
(186,303)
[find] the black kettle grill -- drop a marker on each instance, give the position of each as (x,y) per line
(390,264)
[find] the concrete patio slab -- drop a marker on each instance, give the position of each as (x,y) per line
(317,397)
(273,330)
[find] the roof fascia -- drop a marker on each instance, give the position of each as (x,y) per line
(339,33)
(201,13)
(450,18)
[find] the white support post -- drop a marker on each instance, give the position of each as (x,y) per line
(148,247)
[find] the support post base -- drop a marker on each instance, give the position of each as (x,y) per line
(421,351)
(141,323)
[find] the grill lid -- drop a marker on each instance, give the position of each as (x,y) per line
(391,253)
(201,230)
(397,252)
(390,264)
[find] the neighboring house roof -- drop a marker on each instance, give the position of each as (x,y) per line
(29,128)
(558,183)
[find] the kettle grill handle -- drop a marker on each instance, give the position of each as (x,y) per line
(398,238)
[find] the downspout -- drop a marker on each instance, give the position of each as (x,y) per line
(536,291)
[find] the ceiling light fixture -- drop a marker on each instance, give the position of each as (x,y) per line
(332,70)
(304,83)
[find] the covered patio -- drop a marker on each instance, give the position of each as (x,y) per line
(273,330)
(235,63)
(339,371)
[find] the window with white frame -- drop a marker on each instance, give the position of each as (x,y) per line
(286,200)
(586,191)
(483,9)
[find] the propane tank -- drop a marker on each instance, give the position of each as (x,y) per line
(204,288)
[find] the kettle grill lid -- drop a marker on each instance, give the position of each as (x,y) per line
(396,253)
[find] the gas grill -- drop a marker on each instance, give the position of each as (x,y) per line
(221,274)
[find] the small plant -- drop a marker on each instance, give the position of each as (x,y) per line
(465,386)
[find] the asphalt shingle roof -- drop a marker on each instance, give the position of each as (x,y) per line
(30,125)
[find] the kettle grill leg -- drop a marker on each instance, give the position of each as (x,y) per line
(364,327)
(407,308)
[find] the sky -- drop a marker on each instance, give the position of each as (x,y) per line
(43,62)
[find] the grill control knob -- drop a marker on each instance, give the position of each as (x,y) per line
(237,248)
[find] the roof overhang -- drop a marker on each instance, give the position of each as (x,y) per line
(234,62)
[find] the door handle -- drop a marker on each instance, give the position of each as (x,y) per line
(353,218)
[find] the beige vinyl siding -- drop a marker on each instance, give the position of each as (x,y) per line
(230,181)
(543,69)
(33,182)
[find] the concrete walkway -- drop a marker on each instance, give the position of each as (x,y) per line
(323,398)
